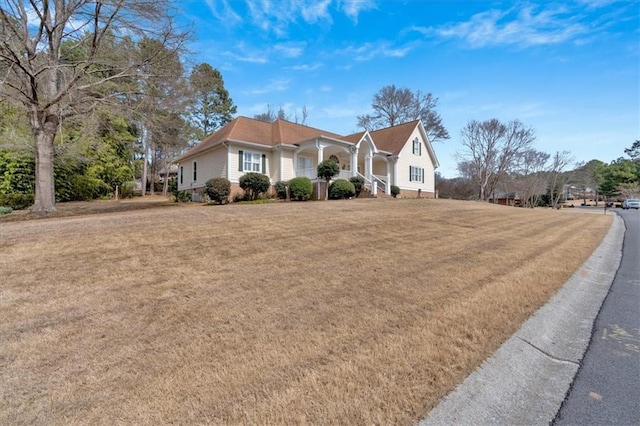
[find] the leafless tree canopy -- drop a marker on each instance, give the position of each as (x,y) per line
(393,106)
(491,149)
(530,179)
(558,176)
(61,57)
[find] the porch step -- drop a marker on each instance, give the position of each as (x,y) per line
(366,193)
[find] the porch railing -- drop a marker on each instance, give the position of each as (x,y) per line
(311,173)
(382,184)
(344,174)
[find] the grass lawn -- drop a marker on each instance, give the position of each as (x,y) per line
(350,312)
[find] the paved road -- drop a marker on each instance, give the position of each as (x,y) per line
(606,390)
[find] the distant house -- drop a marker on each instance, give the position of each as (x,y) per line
(400,155)
(506,199)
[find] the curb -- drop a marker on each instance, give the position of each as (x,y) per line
(526,380)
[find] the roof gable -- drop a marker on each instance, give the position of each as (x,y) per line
(393,139)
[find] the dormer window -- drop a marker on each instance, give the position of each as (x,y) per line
(417,147)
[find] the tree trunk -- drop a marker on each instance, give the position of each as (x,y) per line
(45,198)
(145,142)
(44,134)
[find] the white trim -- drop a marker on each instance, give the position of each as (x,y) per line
(252,162)
(416,174)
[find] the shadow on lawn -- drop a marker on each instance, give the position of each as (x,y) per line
(83,208)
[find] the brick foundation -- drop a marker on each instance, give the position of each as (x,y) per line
(407,193)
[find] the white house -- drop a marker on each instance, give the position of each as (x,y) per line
(400,155)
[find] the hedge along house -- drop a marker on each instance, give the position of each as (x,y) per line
(401,155)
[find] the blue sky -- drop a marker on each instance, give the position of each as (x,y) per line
(568,69)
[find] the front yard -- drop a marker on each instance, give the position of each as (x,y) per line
(360,311)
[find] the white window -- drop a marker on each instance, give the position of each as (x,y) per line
(305,167)
(305,163)
(252,162)
(416,174)
(417,147)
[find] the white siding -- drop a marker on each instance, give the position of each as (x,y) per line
(209,165)
(234,174)
(288,171)
(407,159)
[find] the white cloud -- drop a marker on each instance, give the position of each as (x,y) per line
(290,50)
(306,67)
(315,11)
(368,51)
(525,27)
(222,11)
(352,8)
(243,53)
(276,15)
(596,4)
(274,85)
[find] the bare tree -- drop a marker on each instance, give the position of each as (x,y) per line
(558,176)
(590,176)
(271,115)
(530,176)
(41,68)
(491,150)
(393,106)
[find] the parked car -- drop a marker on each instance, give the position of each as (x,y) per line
(631,203)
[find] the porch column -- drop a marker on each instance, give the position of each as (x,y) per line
(320,159)
(387,187)
(319,146)
(392,169)
(368,163)
(354,161)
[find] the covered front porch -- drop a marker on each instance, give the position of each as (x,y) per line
(360,159)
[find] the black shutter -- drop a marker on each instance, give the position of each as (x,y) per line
(240,160)
(410,173)
(264,164)
(422,175)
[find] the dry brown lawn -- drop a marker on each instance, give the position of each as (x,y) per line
(354,312)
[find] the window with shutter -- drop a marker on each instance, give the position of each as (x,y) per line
(416,174)
(252,162)
(417,147)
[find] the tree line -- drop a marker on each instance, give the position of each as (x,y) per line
(93,94)
(538,178)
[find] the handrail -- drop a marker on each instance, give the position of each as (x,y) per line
(382,185)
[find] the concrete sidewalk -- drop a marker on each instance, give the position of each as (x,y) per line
(527,378)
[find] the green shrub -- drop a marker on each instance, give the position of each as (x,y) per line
(5,210)
(182,196)
(254,184)
(281,189)
(340,189)
(394,191)
(218,189)
(16,201)
(300,188)
(358,184)
(85,187)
